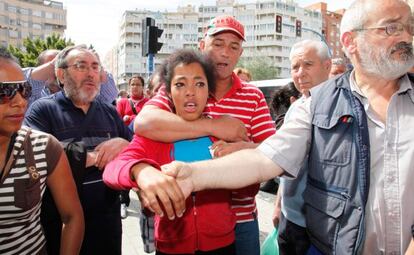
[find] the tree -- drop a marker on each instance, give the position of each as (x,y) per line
(260,68)
(32,48)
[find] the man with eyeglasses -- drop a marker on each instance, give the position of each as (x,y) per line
(44,83)
(74,115)
(354,132)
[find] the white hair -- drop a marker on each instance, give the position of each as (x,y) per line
(321,48)
(356,16)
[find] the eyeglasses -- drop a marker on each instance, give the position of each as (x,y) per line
(83,67)
(394,28)
(9,89)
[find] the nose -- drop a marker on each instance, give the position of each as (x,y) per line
(18,101)
(301,71)
(190,91)
(407,34)
(225,52)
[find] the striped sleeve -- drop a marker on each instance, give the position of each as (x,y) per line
(263,125)
(108,92)
(161,100)
(37,86)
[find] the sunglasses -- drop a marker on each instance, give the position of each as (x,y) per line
(9,89)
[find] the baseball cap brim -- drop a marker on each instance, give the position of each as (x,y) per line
(217,30)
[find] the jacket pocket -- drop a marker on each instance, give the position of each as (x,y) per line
(26,193)
(335,136)
(323,212)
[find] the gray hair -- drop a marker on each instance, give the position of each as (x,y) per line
(61,61)
(41,59)
(354,18)
(321,48)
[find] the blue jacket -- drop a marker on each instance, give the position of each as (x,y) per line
(338,169)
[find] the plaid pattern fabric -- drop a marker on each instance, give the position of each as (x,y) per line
(146,224)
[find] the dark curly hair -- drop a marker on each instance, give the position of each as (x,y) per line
(280,101)
(186,56)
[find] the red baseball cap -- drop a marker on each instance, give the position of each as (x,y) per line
(225,23)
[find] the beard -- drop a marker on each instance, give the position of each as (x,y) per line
(380,61)
(77,94)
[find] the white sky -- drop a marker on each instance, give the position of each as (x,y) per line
(96,21)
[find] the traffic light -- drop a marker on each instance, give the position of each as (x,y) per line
(146,23)
(150,35)
(298,28)
(278,24)
(153,34)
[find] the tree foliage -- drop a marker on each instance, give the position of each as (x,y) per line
(260,68)
(32,48)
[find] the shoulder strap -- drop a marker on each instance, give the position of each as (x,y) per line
(29,156)
(133,107)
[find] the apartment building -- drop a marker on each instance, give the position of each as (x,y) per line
(30,18)
(185,27)
(331,22)
(180,31)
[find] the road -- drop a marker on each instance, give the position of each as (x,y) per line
(131,241)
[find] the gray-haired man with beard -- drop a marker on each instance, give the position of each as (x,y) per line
(74,115)
(355,131)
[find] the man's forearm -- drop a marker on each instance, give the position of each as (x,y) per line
(43,72)
(236,170)
(164,126)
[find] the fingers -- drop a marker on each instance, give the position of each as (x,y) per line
(161,193)
(170,169)
(101,159)
(173,201)
(275,221)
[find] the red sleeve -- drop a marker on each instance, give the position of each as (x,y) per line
(263,125)
(161,100)
(117,172)
(120,107)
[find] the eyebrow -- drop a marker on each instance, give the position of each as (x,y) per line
(182,77)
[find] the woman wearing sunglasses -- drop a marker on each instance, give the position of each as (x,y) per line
(30,160)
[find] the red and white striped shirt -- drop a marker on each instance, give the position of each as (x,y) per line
(247,103)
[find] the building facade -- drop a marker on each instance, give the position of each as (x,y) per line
(185,27)
(331,22)
(180,31)
(30,18)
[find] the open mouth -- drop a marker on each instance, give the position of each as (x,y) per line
(190,107)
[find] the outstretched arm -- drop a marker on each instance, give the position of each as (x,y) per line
(63,189)
(160,125)
(229,172)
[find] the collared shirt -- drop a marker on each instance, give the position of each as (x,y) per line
(389,210)
(292,202)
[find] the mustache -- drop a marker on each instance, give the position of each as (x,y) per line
(406,47)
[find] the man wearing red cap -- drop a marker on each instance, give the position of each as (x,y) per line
(250,125)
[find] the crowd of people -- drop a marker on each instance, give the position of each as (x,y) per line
(196,140)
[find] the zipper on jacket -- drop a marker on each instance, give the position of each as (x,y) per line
(330,189)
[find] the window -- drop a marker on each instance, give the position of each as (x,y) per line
(12,8)
(24,11)
(49,15)
(37,13)
(37,26)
